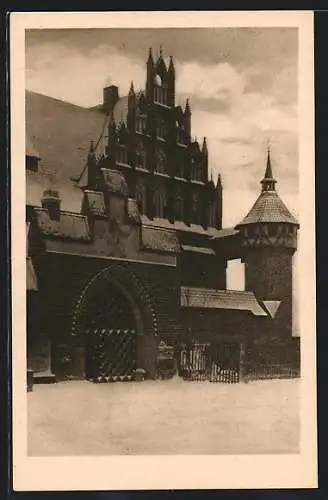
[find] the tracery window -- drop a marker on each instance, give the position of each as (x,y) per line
(140,156)
(160,201)
(160,161)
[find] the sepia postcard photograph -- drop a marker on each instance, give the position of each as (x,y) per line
(163,329)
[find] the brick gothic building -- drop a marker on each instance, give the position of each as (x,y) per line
(128,238)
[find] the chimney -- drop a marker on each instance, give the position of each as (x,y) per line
(110,98)
(51,202)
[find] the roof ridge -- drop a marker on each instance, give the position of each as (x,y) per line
(62,212)
(68,103)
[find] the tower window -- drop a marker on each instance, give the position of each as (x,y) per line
(160,90)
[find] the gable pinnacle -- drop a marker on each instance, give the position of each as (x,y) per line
(187,110)
(204,147)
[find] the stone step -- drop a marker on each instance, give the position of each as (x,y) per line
(45,377)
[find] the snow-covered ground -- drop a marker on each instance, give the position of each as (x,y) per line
(163,417)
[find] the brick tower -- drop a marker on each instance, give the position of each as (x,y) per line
(269,240)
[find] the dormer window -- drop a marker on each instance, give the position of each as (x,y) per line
(32,163)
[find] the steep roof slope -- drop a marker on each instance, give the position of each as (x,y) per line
(59,133)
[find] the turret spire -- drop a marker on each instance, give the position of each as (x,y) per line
(268,182)
(150,57)
(187,108)
(131,91)
(204,147)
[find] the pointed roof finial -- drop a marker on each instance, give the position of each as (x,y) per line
(212,176)
(268,182)
(161,51)
(219,181)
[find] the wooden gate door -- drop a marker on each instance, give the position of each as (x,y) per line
(111,355)
(225,358)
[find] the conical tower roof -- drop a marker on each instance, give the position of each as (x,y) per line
(268,207)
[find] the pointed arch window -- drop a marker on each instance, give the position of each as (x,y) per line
(141,124)
(161,130)
(160,203)
(160,90)
(160,161)
(196,208)
(178,207)
(196,170)
(212,215)
(141,198)
(140,156)
(180,133)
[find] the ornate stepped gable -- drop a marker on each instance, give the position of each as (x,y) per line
(144,137)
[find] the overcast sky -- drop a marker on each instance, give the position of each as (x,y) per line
(242,85)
